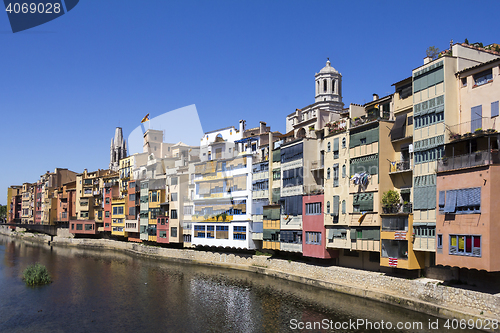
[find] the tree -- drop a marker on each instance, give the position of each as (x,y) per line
(3,212)
(432,52)
(466,41)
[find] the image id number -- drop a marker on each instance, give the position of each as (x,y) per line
(41,8)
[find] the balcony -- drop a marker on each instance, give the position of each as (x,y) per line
(318,165)
(401,208)
(398,167)
(468,160)
(468,129)
(369,117)
(313,189)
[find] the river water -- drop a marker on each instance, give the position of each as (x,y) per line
(109,291)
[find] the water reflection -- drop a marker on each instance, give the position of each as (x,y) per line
(114,291)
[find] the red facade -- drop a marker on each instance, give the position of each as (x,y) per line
(314,231)
(38,203)
(108,194)
(162,229)
(87,227)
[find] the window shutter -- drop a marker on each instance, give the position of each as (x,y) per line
(335,144)
(336,205)
(343,206)
(494,109)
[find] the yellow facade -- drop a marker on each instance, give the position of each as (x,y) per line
(118,210)
(156,197)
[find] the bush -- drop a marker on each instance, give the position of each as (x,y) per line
(390,198)
(36,275)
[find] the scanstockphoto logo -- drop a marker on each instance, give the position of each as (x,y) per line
(25,15)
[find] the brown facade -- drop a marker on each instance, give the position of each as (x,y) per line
(468,236)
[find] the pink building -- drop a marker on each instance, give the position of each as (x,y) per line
(162,229)
(313,228)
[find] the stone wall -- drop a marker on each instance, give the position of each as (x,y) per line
(418,295)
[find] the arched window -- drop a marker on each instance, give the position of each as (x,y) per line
(328,207)
(324,85)
(344,171)
(328,173)
(343,206)
(343,142)
(329,147)
(333,85)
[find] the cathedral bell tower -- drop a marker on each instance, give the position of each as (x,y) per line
(328,84)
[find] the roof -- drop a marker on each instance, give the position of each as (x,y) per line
(328,68)
(399,82)
(221,129)
(478,66)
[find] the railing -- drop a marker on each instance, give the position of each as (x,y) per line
(468,160)
(317,165)
(469,128)
(369,118)
(313,189)
(399,166)
(404,208)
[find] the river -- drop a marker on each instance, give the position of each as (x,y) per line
(110,291)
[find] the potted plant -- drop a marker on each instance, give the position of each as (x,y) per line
(491,130)
(478,131)
(390,200)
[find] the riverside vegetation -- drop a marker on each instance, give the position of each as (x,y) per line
(36,275)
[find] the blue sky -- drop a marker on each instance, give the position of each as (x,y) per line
(67,84)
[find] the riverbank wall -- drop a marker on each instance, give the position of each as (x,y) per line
(419,294)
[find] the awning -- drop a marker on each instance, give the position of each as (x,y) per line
(398,131)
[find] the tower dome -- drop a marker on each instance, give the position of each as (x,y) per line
(328,84)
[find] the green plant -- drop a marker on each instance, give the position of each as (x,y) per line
(390,198)
(478,129)
(36,275)
(224,216)
(258,253)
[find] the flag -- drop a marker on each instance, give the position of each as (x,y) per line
(393,262)
(146,118)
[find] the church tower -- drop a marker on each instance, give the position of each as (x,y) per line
(118,150)
(328,85)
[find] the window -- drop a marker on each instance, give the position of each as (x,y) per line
(131,211)
(239,233)
(106,214)
(88,227)
(173,196)
(118,210)
(335,175)
(107,200)
(462,201)
(313,238)
(464,82)
(336,148)
(84,214)
(276,174)
(210,231)
(410,120)
(328,207)
(292,177)
(399,223)
(343,206)
(132,185)
(173,181)
(163,234)
(483,77)
(313,208)
(424,231)
(344,144)
(154,196)
(173,231)
(344,174)
(199,231)
(394,249)
(222,232)
(173,214)
(72,226)
(328,173)
(494,109)
(465,245)
(329,147)
(439,241)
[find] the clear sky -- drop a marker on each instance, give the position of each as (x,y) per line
(66,85)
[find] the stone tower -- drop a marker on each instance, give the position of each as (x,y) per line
(118,150)
(328,85)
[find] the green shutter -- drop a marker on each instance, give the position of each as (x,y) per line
(353,234)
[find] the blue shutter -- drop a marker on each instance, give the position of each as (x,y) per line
(494,109)
(441,200)
(451,201)
(336,144)
(476,117)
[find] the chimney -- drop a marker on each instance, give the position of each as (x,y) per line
(242,126)
(375,97)
(262,127)
(427,60)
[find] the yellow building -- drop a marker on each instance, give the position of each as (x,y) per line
(156,198)
(118,209)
